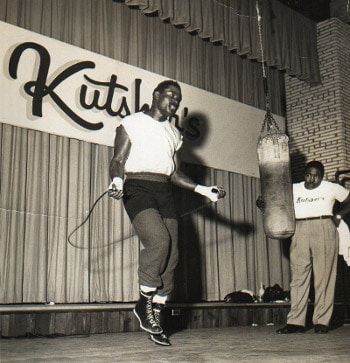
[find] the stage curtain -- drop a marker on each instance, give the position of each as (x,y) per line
(126,34)
(289,40)
(50,183)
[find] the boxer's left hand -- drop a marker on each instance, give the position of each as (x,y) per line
(220,191)
(214,193)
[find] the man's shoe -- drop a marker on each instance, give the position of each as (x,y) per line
(144,313)
(291,329)
(321,329)
(160,339)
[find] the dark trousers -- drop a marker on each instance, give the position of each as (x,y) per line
(149,203)
(159,256)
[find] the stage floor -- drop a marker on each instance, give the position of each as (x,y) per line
(234,344)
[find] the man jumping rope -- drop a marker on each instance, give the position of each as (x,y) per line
(142,170)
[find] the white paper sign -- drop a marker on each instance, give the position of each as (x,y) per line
(51,86)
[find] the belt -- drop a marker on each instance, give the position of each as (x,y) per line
(161,178)
(313,218)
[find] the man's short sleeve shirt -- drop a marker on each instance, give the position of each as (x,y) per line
(319,201)
(153,144)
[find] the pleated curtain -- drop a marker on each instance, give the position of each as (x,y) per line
(49,183)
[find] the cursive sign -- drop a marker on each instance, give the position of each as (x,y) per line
(39,89)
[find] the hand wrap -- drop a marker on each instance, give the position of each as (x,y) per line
(115,189)
(214,193)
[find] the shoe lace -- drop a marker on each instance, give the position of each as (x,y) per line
(150,314)
(156,314)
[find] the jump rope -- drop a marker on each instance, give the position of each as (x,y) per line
(214,190)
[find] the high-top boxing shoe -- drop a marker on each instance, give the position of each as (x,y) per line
(160,339)
(144,313)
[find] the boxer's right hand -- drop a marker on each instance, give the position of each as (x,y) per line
(115,189)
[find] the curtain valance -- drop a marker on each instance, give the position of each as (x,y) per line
(289,39)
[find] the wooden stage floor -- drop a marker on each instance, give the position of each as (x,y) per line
(210,345)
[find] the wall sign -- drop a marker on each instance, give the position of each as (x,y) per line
(54,87)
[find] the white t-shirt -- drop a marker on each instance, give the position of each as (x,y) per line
(319,201)
(153,144)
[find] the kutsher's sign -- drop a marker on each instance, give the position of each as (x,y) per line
(54,87)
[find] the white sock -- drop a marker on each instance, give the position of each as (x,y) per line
(147,289)
(158,299)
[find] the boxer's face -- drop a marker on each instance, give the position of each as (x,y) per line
(168,101)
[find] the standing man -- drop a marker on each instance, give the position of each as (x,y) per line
(142,171)
(314,248)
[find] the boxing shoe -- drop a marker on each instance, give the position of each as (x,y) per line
(144,312)
(160,339)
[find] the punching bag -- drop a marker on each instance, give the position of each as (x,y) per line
(276,186)
(274,167)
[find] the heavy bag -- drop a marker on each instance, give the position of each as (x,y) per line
(276,186)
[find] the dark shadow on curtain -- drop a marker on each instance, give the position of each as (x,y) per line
(188,277)
(189,284)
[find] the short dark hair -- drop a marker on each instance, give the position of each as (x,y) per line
(315,164)
(165,84)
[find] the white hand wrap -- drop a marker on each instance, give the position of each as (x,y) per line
(207,192)
(117,183)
